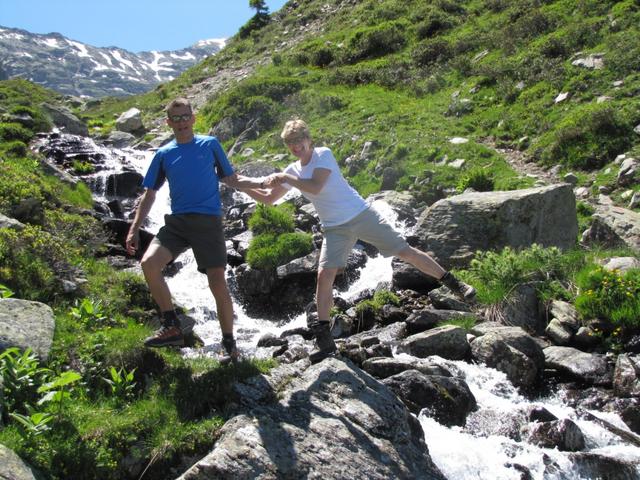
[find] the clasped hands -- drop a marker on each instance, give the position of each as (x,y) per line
(274,179)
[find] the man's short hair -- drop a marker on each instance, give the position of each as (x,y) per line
(295,131)
(178,102)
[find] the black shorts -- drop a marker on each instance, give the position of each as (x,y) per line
(202,233)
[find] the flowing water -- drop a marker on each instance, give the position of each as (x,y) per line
(482,452)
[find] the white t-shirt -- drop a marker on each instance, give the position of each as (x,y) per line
(337,202)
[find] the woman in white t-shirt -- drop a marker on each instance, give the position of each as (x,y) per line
(345,218)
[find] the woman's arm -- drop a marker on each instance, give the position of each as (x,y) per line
(313,185)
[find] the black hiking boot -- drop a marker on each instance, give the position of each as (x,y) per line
(460,289)
(165,336)
(324,341)
(231,353)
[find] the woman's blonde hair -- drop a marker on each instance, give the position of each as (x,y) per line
(295,131)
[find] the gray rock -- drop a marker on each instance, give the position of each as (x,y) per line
(447,342)
(372,433)
(589,368)
(453,229)
(447,399)
(25,324)
(130,121)
(12,467)
(626,376)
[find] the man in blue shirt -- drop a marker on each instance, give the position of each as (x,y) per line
(193,165)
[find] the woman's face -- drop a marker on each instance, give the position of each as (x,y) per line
(299,148)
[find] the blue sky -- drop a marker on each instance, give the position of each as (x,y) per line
(135,25)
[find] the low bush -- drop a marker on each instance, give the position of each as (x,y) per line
(588,138)
(609,295)
(374,42)
(14,131)
(496,274)
(272,220)
(269,251)
(480,179)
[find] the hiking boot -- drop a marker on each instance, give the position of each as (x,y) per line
(231,353)
(460,289)
(324,341)
(165,336)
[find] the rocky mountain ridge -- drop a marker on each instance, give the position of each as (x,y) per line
(75,68)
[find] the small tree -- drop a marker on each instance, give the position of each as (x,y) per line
(260,7)
(259,20)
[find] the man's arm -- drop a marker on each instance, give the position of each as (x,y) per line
(240,182)
(269,195)
(144,207)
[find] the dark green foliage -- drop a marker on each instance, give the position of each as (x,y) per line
(431,51)
(14,131)
(495,274)
(480,179)
(30,261)
(40,122)
(375,42)
(275,220)
(15,148)
(269,251)
(589,138)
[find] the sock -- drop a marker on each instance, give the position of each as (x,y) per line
(170,319)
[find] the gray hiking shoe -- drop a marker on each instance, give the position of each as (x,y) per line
(460,289)
(324,341)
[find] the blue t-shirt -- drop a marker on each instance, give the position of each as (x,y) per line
(193,170)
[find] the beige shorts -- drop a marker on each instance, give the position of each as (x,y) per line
(202,233)
(368,226)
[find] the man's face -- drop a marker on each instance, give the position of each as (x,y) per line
(181,120)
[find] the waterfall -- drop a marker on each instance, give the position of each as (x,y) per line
(478,451)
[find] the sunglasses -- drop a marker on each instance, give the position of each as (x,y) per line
(181,118)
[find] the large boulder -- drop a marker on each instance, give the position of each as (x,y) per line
(130,121)
(64,119)
(454,228)
(25,324)
(330,420)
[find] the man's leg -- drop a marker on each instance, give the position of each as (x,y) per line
(426,264)
(224,306)
(154,260)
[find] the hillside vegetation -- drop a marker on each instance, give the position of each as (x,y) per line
(409,76)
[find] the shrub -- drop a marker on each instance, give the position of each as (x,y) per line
(589,138)
(432,51)
(610,295)
(269,250)
(375,42)
(496,274)
(40,122)
(272,220)
(14,131)
(480,179)
(434,22)
(30,261)
(15,148)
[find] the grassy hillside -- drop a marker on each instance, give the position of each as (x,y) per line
(406,75)
(410,75)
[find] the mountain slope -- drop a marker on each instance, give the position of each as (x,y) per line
(75,68)
(557,80)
